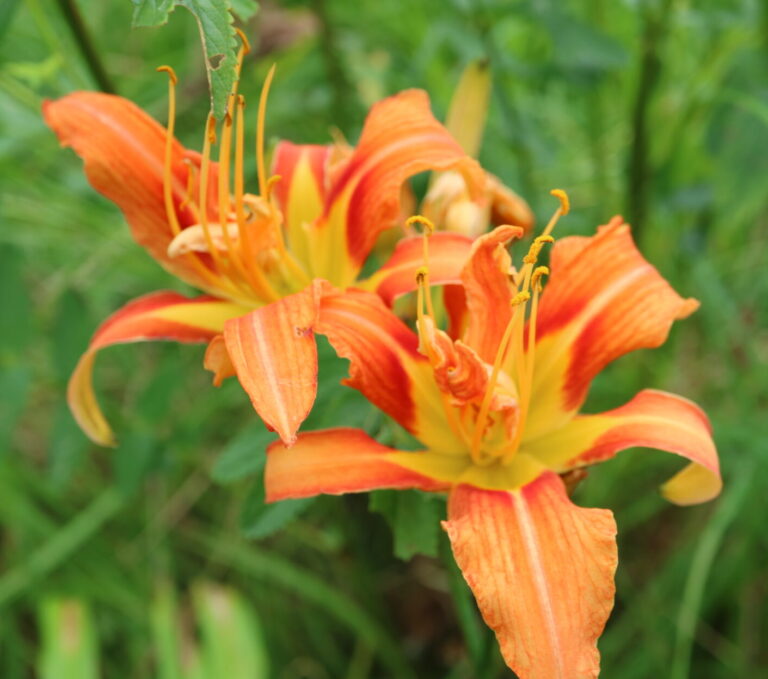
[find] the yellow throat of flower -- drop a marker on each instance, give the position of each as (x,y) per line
(491,434)
(241,255)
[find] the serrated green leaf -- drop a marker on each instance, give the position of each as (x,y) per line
(214,19)
(414,518)
(219,47)
(151,12)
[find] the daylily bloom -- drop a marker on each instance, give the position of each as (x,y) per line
(317,217)
(495,403)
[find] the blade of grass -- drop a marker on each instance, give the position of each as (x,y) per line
(61,545)
(701,564)
(280,572)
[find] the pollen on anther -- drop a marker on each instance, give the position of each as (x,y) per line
(421,273)
(562,196)
(538,274)
(520,298)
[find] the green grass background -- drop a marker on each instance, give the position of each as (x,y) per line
(159,558)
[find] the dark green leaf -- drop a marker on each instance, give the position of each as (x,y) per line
(260,520)
(244,455)
(414,518)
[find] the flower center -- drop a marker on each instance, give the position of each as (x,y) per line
(492,420)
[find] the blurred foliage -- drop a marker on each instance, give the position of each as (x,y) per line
(654,108)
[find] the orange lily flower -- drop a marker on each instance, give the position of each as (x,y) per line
(495,402)
(317,217)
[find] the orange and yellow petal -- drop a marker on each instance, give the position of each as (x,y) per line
(652,419)
(488,291)
(603,300)
(158,316)
(273,352)
(123,151)
(448,253)
(337,461)
(400,138)
(385,364)
(300,192)
(541,570)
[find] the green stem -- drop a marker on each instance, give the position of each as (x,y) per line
(80,33)
(638,169)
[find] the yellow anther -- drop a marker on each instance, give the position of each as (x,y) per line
(171,73)
(535,249)
(520,298)
(538,274)
(562,196)
(244,40)
(425,222)
(421,274)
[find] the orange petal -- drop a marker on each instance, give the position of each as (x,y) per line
(217,360)
(300,193)
(455,303)
(385,364)
(400,138)
(602,301)
(488,291)
(448,253)
(541,570)
(274,354)
(159,316)
(506,206)
(337,461)
(653,419)
(123,149)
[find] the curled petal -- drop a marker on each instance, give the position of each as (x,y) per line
(541,570)
(603,300)
(488,291)
(448,253)
(653,419)
(158,316)
(217,360)
(337,461)
(123,149)
(400,139)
